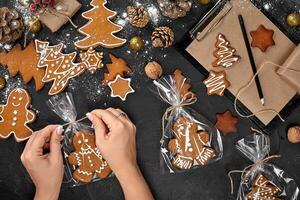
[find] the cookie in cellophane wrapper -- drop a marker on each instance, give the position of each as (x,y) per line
(263,180)
(188,140)
(83,160)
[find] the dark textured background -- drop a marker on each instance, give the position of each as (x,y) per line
(207,183)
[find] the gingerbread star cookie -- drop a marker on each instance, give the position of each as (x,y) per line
(262,188)
(216,83)
(87,158)
(14,116)
(190,145)
(121,87)
(226,123)
(262,38)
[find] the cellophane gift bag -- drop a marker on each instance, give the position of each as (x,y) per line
(83,160)
(263,180)
(188,139)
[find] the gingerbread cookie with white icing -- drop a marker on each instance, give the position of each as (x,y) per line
(14,115)
(263,188)
(224,54)
(190,145)
(87,158)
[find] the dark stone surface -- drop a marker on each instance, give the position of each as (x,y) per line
(208,183)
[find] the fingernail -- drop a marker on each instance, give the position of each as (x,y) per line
(59,130)
(89,116)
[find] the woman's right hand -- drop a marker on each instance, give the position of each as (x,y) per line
(115,137)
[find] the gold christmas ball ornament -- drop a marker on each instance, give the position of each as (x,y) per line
(2,82)
(293,19)
(136,43)
(294,134)
(153,70)
(204,2)
(35,26)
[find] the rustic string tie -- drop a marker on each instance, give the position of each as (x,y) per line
(188,99)
(246,86)
(249,169)
(74,122)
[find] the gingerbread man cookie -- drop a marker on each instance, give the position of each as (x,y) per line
(87,158)
(190,145)
(14,116)
(262,189)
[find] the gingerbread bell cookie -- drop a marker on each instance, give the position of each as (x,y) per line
(262,38)
(100,30)
(262,188)
(216,83)
(190,145)
(87,158)
(224,54)
(14,116)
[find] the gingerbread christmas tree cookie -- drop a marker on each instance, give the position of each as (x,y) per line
(60,68)
(262,188)
(87,158)
(121,87)
(216,83)
(181,83)
(190,145)
(15,116)
(224,54)
(24,62)
(100,30)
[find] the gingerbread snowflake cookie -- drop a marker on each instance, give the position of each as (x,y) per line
(14,115)
(87,158)
(224,54)
(190,145)
(262,188)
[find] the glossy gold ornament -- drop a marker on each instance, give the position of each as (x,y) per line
(204,1)
(2,82)
(293,19)
(136,43)
(35,26)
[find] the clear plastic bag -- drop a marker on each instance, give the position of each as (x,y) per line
(83,161)
(256,147)
(188,140)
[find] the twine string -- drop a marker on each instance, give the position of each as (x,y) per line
(249,169)
(74,122)
(246,86)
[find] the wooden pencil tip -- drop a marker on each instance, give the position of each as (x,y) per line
(262,100)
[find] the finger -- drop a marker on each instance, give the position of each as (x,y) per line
(29,142)
(55,148)
(99,126)
(121,115)
(41,138)
(107,117)
(114,111)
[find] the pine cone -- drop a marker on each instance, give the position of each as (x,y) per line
(162,37)
(138,16)
(11,25)
(174,8)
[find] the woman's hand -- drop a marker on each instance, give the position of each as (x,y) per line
(45,170)
(115,137)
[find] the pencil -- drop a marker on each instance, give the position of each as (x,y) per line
(252,62)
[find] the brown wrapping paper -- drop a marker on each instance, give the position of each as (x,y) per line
(277,92)
(293,63)
(54,19)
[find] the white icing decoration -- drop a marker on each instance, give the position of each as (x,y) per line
(225,52)
(215,83)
